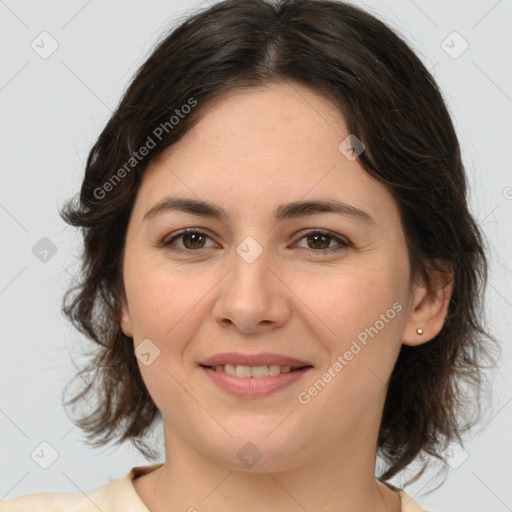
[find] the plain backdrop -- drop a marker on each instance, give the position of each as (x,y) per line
(64,66)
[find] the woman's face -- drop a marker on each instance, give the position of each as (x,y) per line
(326,291)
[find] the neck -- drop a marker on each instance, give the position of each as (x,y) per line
(342,481)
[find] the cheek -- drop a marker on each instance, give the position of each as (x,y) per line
(159,298)
(151,304)
(166,309)
(359,311)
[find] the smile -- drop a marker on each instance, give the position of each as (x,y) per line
(259,371)
(250,382)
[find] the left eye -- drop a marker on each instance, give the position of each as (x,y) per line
(194,239)
(318,239)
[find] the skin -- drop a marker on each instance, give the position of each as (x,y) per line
(251,152)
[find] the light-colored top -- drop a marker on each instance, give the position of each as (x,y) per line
(116,496)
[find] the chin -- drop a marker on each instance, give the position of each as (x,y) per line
(256,448)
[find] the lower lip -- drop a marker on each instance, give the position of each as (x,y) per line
(254,387)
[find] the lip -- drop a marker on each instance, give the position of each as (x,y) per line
(254,387)
(253,360)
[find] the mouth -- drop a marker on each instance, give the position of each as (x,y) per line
(252,382)
(253,376)
(258,372)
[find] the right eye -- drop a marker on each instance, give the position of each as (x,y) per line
(192,237)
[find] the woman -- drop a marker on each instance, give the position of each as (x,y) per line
(279,263)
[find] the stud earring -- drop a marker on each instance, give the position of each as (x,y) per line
(419,331)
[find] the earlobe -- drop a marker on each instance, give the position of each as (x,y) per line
(126,323)
(429,309)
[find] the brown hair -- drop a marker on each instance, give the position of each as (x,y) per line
(390,102)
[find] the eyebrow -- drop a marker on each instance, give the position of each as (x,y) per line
(284,211)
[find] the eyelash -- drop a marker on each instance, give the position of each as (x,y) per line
(343,244)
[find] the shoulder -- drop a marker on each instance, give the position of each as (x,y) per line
(115,496)
(46,501)
(408,504)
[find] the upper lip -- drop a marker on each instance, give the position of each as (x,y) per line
(253,360)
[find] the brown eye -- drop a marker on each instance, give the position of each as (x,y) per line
(192,240)
(319,241)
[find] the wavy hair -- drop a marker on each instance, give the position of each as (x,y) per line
(391,102)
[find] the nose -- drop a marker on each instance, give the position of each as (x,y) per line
(252,297)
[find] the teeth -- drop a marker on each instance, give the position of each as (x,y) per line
(243,371)
(274,369)
(230,369)
(261,371)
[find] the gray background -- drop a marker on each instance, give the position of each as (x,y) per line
(52,110)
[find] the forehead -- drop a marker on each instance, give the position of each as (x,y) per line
(254,147)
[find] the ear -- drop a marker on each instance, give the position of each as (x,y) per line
(429,306)
(126,321)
